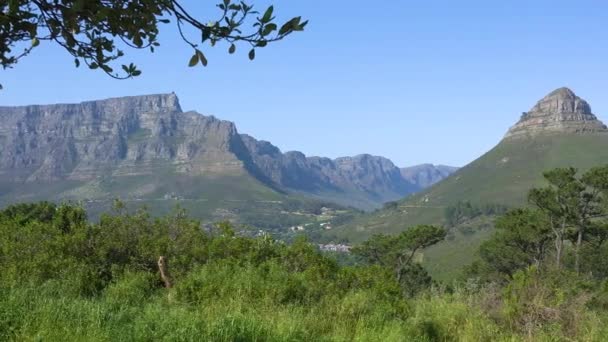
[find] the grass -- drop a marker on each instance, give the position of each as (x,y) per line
(48,315)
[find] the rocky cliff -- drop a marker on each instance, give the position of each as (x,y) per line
(131,135)
(150,135)
(374,177)
(561,111)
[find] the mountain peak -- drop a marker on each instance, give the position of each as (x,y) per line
(562,100)
(561,111)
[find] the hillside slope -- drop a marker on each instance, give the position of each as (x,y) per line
(560,131)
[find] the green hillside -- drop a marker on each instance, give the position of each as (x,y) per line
(501,176)
(235,196)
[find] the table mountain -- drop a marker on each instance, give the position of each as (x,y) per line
(147,148)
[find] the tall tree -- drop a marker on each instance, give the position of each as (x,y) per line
(96,32)
(521,240)
(571,203)
(556,202)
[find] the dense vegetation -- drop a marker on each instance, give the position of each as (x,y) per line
(134,277)
(464,211)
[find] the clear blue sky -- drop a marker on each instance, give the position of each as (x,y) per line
(415,81)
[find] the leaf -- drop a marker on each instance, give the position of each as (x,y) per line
(193,60)
(252,54)
(290,25)
(267,15)
(77,62)
(268,29)
(201,57)
(232,49)
(136,73)
(35,42)
(301,26)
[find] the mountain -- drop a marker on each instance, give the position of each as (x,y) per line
(145,149)
(425,175)
(559,131)
(363,181)
(559,112)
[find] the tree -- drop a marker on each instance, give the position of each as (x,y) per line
(398,251)
(97,31)
(521,240)
(26,212)
(557,201)
(571,203)
(379,249)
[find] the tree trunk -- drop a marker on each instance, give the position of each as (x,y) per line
(558,252)
(559,243)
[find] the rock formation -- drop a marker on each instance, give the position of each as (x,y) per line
(559,112)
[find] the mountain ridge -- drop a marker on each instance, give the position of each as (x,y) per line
(142,136)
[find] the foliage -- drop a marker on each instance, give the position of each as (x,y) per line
(96,31)
(572,203)
(522,239)
(397,252)
(63,276)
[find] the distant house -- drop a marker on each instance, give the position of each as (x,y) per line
(334,248)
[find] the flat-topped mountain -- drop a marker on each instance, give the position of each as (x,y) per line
(124,136)
(147,148)
(561,111)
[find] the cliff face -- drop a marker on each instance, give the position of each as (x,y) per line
(117,136)
(561,111)
(375,177)
(150,135)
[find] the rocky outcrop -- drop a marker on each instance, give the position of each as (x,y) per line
(561,111)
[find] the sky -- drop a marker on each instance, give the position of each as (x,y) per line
(414,81)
